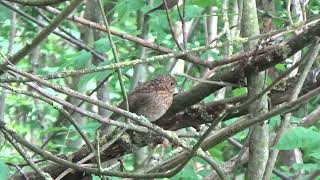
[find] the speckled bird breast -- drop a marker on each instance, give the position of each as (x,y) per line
(154,109)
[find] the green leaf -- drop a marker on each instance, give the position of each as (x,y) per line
(88,81)
(309,167)
(102,45)
(95,177)
(4,171)
(217,151)
(299,138)
(88,127)
(269,80)
(209,98)
(315,155)
(205,172)
(124,8)
(203,3)
(274,122)
(54,130)
(187,172)
(194,11)
(281,67)
(78,60)
(4,13)
(239,91)
(81,60)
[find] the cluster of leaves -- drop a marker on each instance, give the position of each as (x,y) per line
(22,112)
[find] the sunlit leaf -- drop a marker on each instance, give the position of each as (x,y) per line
(315,155)
(308,167)
(4,13)
(4,171)
(299,138)
(280,67)
(239,91)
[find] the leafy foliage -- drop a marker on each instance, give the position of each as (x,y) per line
(4,171)
(35,120)
(299,138)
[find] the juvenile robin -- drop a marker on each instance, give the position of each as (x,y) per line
(152,98)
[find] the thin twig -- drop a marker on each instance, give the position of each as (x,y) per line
(309,59)
(24,156)
(46,98)
(90,156)
(187,57)
(115,55)
(73,111)
(58,33)
(266,90)
(173,33)
(42,35)
(183,23)
(207,81)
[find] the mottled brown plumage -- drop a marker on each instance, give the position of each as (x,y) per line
(152,98)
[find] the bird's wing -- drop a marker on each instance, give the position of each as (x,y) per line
(135,102)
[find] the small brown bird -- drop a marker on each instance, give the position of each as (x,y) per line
(152,98)
(162,6)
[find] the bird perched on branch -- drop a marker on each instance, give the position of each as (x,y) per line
(152,98)
(162,6)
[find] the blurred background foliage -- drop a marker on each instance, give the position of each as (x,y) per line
(22,113)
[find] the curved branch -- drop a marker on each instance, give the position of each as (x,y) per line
(229,74)
(234,74)
(41,36)
(37,2)
(199,115)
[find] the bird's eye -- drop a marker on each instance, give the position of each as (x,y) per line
(172,84)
